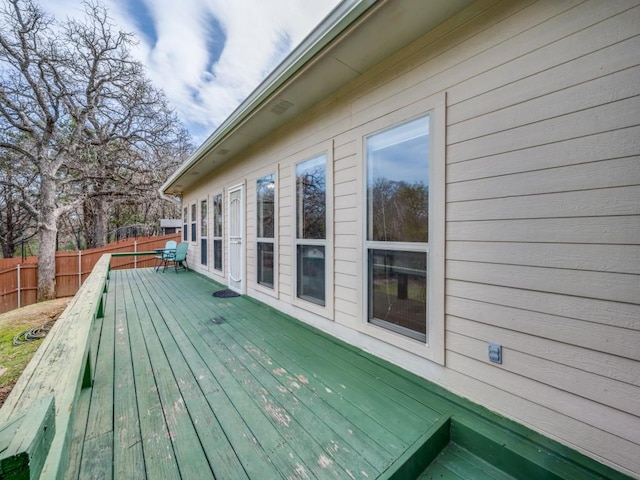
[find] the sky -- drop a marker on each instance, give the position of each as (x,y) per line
(208,55)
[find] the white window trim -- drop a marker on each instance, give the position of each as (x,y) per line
(434,347)
(325,310)
(192,222)
(273,292)
(220,272)
(185,223)
(206,236)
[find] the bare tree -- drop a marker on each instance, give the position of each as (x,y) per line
(130,132)
(91,118)
(15,222)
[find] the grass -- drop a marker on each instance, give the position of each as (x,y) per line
(13,359)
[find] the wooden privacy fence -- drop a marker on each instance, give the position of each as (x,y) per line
(19,278)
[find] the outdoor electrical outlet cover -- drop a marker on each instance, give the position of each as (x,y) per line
(495,353)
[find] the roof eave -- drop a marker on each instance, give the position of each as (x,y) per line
(333,25)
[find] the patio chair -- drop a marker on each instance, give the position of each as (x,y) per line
(164,254)
(179,258)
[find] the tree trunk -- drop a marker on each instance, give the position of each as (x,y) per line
(100,221)
(47,233)
(7,250)
(96,219)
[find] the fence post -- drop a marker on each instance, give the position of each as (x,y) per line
(18,269)
(79,269)
(135,257)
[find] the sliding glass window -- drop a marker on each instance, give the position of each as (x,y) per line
(265,206)
(398,227)
(311,229)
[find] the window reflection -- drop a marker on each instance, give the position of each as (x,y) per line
(398,227)
(311,281)
(266,194)
(397,183)
(311,189)
(398,289)
(311,228)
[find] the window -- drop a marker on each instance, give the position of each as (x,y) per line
(311,229)
(217,232)
(185,224)
(397,242)
(193,222)
(204,229)
(265,194)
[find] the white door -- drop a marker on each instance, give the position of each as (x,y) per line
(236,248)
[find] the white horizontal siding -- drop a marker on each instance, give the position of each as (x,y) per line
(583,176)
(606,366)
(591,230)
(543,222)
(595,258)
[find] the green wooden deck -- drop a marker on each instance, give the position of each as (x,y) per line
(191,386)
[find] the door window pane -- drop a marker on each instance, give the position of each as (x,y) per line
(311,278)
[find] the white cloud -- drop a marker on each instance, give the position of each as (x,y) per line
(258,34)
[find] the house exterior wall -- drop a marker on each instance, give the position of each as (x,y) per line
(541,203)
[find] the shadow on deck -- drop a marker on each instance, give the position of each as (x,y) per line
(191,386)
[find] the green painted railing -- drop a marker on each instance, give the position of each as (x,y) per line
(36,420)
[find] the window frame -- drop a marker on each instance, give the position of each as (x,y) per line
(204,232)
(194,222)
(432,347)
(185,223)
(217,238)
(267,240)
(325,149)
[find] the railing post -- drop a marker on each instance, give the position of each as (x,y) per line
(135,257)
(79,268)
(18,269)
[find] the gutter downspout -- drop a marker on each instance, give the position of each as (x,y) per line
(170,198)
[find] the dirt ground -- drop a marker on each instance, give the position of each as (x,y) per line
(18,320)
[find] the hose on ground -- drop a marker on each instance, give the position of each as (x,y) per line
(31,334)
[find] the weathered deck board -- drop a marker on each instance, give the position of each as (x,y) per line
(177,395)
(185,416)
(127,443)
(246,395)
(285,388)
(159,457)
(192,386)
